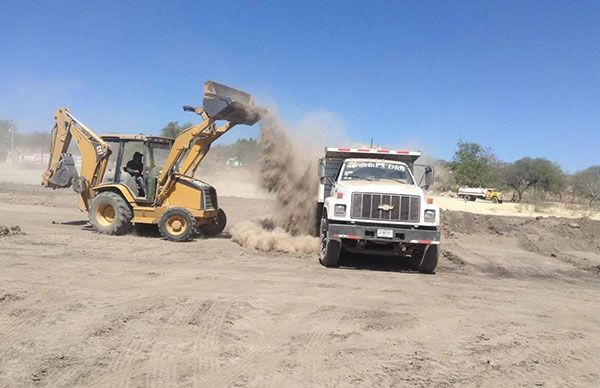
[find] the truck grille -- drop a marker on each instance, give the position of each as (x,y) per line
(210,199)
(366,206)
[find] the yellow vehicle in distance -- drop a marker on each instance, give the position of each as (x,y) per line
(473,193)
(127,180)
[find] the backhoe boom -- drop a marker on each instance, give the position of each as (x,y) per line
(61,170)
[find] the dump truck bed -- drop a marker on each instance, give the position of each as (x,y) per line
(405,156)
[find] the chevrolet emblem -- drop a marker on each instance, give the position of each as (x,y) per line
(385,207)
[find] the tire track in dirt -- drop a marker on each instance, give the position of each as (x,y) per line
(317,342)
(29,316)
(174,322)
(209,322)
(121,350)
(271,343)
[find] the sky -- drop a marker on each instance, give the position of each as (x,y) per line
(522,78)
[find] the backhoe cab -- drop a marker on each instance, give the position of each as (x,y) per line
(138,179)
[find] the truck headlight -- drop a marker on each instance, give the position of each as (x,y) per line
(429,215)
(339,210)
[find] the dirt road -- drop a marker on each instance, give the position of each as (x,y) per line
(514,302)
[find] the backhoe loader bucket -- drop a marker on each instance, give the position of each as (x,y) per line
(65,173)
(224,103)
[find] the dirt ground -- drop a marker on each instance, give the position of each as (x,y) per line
(515,302)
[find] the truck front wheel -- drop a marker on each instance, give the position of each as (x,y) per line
(329,256)
(429,260)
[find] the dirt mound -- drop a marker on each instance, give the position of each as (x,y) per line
(580,233)
(575,242)
(10,230)
(453,222)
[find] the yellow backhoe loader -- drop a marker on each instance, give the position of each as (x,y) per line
(138,179)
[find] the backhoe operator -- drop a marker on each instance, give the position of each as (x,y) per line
(135,167)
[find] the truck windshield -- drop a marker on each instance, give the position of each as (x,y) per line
(374,171)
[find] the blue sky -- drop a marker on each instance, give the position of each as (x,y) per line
(520,77)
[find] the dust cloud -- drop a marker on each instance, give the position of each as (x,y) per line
(288,170)
(256,235)
(290,176)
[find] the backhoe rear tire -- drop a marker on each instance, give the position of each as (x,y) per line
(216,227)
(110,214)
(177,224)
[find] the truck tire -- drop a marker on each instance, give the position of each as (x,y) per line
(177,224)
(329,256)
(215,228)
(467,197)
(110,214)
(496,200)
(429,260)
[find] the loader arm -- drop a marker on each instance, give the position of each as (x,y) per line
(197,139)
(61,170)
(191,146)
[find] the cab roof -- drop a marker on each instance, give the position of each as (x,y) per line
(133,137)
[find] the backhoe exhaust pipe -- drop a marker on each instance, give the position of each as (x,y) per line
(224,103)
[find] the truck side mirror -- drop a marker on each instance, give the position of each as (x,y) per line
(321,169)
(429,176)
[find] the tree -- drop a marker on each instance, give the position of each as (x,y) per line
(539,174)
(173,129)
(586,183)
(473,165)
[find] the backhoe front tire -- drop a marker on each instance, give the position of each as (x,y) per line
(216,227)
(177,224)
(110,214)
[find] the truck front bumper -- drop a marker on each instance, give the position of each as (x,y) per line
(369,233)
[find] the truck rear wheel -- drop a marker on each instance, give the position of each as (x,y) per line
(110,214)
(216,227)
(177,224)
(329,256)
(429,260)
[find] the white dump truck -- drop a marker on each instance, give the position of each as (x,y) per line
(369,202)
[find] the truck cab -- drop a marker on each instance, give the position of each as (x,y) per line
(370,202)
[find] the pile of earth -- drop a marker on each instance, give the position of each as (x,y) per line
(10,230)
(542,235)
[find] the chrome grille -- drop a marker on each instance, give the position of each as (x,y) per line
(385,207)
(210,198)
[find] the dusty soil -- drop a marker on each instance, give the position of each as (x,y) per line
(515,302)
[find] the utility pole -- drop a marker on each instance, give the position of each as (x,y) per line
(12,143)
